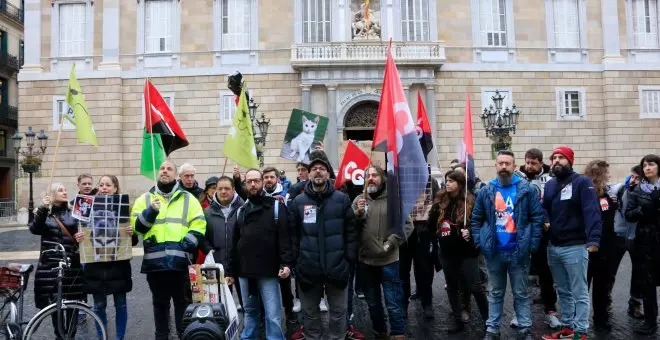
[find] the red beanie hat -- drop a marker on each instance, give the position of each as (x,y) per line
(564,151)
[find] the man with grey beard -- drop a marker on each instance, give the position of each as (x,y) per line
(379,257)
(323,225)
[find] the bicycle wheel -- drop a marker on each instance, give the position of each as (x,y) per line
(78,322)
(8,318)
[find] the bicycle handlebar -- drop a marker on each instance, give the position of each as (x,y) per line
(59,249)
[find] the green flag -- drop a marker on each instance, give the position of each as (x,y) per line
(239,144)
(151,161)
(78,114)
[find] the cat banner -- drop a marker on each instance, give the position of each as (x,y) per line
(106,238)
(304,132)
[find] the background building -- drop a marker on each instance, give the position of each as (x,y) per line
(585,73)
(11,58)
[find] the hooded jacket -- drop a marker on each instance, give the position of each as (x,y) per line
(527,213)
(278,193)
(538,180)
(324,237)
(220,229)
(374,231)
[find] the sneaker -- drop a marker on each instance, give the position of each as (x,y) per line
(514,322)
(492,336)
(239,308)
(353,334)
(552,320)
(297,307)
(579,336)
(323,307)
(564,333)
(298,334)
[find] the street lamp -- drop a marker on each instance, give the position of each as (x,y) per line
(260,127)
(31,158)
(499,124)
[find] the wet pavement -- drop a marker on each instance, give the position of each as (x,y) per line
(20,246)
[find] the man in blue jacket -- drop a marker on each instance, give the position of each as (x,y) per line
(507,221)
(575,227)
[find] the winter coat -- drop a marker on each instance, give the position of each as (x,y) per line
(220,229)
(278,193)
(623,227)
(196,190)
(374,231)
(645,211)
(528,215)
(260,246)
(452,244)
(575,220)
(324,237)
(45,278)
(537,180)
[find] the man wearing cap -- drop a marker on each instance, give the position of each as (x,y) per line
(575,227)
(323,225)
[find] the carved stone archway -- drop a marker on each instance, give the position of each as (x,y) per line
(360,120)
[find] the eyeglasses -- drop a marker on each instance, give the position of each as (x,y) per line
(250,181)
(318,169)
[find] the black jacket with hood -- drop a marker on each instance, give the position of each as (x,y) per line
(220,229)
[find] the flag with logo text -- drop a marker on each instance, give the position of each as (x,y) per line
(352,166)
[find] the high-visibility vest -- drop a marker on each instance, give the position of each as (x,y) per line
(180,220)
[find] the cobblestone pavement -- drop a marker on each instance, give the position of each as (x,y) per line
(21,246)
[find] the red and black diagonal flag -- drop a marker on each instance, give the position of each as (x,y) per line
(423,128)
(159,119)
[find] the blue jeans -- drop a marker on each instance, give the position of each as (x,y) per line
(121,311)
(387,276)
(518,269)
(569,270)
(269,292)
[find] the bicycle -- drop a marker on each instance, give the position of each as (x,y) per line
(65,319)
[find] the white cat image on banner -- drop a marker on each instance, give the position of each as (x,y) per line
(304,130)
(302,144)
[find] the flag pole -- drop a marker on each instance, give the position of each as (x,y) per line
(224,168)
(147,112)
(57,150)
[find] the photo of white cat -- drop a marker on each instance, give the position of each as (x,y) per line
(304,130)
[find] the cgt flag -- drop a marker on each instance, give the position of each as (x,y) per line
(352,166)
(407,172)
(423,127)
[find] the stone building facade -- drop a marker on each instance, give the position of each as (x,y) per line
(585,73)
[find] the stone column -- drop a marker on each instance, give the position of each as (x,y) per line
(433,121)
(406,91)
(306,104)
(110,60)
(32,35)
(332,145)
(610,21)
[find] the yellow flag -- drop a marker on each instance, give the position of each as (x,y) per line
(78,114)
(239,144)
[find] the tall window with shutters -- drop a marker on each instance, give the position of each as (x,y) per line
(571,103)
(235,24)
(158,22)
(493,22)
(645,23)
(316,21)
(227,107)
(72,29)
(649,102)
(566,23)
(414,20)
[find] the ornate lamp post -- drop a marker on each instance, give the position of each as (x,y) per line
(31,158)
(260,127)
(500,124)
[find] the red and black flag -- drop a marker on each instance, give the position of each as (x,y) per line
(423,128)
(160,120)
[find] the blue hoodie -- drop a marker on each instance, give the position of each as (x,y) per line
(505,200)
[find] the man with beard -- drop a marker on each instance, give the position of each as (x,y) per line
(171,223)
(575,227)
(379,257)
(260,256)
(272,186)
(507,221)
(187,180)
(538,174)
(325,248)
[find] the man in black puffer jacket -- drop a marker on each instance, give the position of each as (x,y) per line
(323,225)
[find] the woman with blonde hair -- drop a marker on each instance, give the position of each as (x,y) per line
(600,272)
(105,278)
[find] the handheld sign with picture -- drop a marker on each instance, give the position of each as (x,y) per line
(304,132)
(82,207)
(106,238)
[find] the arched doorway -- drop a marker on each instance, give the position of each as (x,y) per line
(360,121)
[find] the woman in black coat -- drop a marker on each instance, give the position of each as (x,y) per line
(56,225)
(105,278)
(644,209)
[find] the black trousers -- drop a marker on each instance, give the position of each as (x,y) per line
(166,286)
(620,248)
(420,250)
(287,295)
(460,272)
(600,279)
(542,269)
(645,256)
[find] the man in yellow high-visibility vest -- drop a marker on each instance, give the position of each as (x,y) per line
(171,223)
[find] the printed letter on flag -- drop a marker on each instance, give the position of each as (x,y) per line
(159,119)
(239,143)
(352,166)
(78,114)
(407,172)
